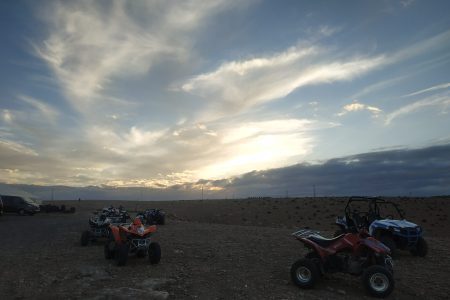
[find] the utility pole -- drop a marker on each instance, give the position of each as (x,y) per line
(202,192)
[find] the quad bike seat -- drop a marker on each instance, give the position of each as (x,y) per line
(322,241)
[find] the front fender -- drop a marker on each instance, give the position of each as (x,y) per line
(375,245)
(116,234)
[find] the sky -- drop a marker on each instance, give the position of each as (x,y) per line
(180,95)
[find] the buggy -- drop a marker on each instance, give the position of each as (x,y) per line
(385,221)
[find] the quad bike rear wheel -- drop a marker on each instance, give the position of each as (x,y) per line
(378,281)
(421,248)
(304,273)
(85,238)
(121,254)
(154,253)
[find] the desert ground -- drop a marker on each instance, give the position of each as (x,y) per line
(211,249)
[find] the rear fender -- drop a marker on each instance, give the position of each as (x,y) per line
(321,252)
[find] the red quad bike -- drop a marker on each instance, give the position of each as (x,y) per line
(132,239)
(354,253)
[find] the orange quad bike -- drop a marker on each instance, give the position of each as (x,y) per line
(132,238)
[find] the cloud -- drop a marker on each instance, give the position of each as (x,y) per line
(399,172)
(90,45)
(430,89)
(395,172)
(356,106)
(239,85)
(178,154)
(7,145)
(44,109)
(442,100)
(260,145)
(406,3)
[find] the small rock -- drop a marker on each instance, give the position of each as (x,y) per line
(341,292)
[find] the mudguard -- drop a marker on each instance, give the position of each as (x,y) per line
(375,245)
(116,234)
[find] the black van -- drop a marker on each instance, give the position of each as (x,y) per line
(19,205)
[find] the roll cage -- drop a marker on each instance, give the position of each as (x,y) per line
(373,212)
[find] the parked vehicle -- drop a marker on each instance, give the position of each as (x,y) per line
(353,253)
(50,208)
(152,216)
(20,205)
(99,224)
(385,221)
(132,239)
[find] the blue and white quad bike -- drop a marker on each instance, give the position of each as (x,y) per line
(385,221)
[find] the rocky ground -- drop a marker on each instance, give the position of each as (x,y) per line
(217,249)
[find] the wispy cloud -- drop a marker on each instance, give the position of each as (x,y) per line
(6,145)
(92,44)
(436,100)
(44,109)
(240,85)
(430,89)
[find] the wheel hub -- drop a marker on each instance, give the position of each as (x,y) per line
(379,282)
(303,274)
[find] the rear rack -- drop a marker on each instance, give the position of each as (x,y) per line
(305,233)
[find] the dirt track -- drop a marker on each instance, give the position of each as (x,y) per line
(235,249)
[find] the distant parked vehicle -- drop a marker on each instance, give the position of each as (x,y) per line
(50,208)
(152,216)
(99,223)
(385,221)
(20,205)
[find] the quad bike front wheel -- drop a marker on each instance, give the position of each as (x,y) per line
(304,273)
(378,281)
(154,253)
(421,248)
(109,249)
(85,238)
(121,254)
